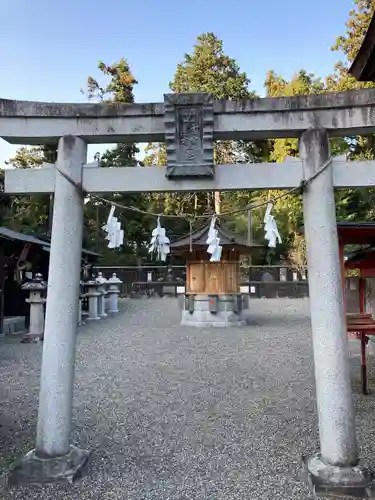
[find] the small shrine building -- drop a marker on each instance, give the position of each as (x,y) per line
(213,294)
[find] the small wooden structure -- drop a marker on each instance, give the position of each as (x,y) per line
(364,261)
(361,325)
(356,233)
(15,248)
(212,292)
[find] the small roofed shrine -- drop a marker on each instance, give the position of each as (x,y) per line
(363,259)
(213,295)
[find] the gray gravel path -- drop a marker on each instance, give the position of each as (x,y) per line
(175,413)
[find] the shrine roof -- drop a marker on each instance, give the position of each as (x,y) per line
(43,241)
(199,236)
(363,66)
(9,234)
(356,232)
(361,259)
(47,244)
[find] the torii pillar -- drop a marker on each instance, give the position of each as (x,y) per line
(335,469)
(53,457)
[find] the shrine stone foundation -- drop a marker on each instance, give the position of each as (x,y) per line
(188,124)
(214,310)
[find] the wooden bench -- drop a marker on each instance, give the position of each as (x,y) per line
(362,325)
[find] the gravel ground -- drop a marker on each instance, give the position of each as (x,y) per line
(176,413)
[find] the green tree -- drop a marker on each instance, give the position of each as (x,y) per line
(354,204)
(288,210)
(5,200)
(118,88)
(29,214)
(348,45)
(209,69)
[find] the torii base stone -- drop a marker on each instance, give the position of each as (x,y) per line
(33,469)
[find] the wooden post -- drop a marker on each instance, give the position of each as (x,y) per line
(343,275)
(362,293)
(249,228)
(50,213)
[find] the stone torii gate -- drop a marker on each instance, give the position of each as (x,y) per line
(189,123)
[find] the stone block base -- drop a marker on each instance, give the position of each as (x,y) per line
(181,301)
(205,318)
(13,325)
(35,470)
(213,310)
(30,338)
(334,481)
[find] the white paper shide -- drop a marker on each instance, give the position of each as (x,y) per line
(115,235)
(159,244)
(272,234)
(213,242)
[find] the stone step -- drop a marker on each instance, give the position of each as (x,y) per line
(14,325)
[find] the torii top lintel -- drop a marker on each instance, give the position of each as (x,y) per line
(189,123)
(342,113)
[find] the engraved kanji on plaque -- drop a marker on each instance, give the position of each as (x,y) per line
(189,123)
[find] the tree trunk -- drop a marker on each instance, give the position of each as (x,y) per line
(217,202)
(249,228)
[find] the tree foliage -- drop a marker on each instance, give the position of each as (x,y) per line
(348,45)
(118,88)
(207,68)
(28,213)
(354,204)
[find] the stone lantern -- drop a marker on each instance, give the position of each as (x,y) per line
(35,287)
(114,291)
(93,296)
(102,282)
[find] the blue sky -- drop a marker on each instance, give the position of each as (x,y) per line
(49,48)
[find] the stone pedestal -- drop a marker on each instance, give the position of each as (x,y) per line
(33,469)
(114,284)
(102,282)
(181,297)
(36,287)
(93,297)
(213,310)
